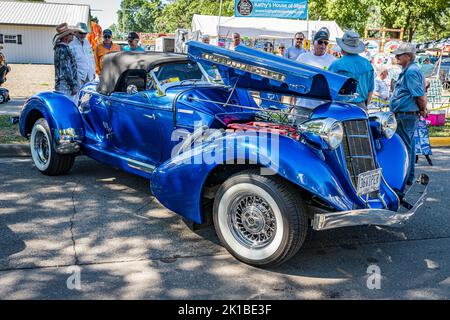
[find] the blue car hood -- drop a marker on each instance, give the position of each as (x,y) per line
(256,70)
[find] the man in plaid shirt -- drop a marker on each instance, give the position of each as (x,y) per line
(66,77)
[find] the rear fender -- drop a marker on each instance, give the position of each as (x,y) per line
(62,116)
(179,183)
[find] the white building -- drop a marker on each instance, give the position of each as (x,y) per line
(27,28)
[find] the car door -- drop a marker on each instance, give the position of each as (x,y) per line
(135,127)
(94,109)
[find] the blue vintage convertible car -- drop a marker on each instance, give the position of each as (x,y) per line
(260,146)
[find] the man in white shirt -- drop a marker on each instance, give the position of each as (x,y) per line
(236,41)
(318,57)
(84,55)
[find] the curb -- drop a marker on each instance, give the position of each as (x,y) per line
(440,141)
(14,150)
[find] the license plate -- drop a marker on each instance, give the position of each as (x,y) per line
(369,182)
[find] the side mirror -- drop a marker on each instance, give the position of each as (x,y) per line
(132,89)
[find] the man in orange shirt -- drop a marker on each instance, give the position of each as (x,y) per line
(107,46)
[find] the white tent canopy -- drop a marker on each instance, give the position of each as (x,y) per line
(261,27)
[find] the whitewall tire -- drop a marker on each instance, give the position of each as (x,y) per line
(45,158)
(259,219)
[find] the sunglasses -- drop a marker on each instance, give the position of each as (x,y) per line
(107,37)
(321,42)
(299,39)
(399,55)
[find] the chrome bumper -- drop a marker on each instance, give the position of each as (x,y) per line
(412,200)
(67,141)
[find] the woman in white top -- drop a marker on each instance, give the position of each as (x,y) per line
(381,92)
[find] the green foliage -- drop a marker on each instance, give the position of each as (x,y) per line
(421,19)
(138,15)
(9,133)
(179,13)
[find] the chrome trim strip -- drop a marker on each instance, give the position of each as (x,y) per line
(186,111)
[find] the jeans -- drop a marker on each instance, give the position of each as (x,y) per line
(406,126)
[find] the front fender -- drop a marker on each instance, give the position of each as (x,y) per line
(178,183)
(393,158)
(61,113)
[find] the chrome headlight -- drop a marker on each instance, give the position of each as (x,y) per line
(387,122)
(330,130)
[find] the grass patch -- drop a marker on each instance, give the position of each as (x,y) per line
(9,133)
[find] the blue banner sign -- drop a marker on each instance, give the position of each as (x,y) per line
(286,9)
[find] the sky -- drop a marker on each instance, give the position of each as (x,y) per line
(109,8)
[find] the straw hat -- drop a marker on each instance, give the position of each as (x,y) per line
(61,31)
(81,27)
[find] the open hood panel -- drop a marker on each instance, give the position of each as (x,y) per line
(253,69)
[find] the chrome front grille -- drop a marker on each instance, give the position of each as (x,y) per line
(357,149)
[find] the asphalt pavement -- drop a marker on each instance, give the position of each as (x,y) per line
(104,228)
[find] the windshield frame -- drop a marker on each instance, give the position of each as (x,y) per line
(163,87)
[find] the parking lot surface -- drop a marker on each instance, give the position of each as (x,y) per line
(125,245)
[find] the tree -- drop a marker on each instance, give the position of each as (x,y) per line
(179,13)
(426,18)
(421,19)
(138,15)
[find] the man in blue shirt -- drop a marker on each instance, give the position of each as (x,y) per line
(133,43)
(354,66)
(408,101)
(296,50)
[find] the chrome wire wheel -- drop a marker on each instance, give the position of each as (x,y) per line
(252,221)
(42,148)
(259,219)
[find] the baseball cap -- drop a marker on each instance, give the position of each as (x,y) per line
(322,35)
(405,48)
(107,32)
(132,36)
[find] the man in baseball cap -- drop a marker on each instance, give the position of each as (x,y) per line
(133,43)
(408,101)
(107,46)
(318,57)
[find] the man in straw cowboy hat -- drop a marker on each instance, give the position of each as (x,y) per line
(408,101)
(354,66)
(66,77)
(84,55)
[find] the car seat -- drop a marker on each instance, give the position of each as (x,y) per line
(137,77)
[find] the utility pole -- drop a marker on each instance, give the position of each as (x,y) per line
(218,25)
